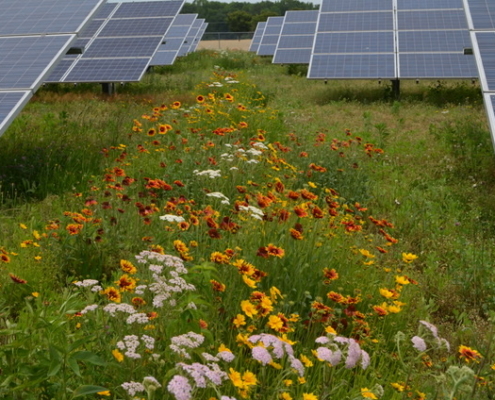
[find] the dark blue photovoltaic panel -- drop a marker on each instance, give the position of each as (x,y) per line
(271,34)
(35,17)
(345,66)
(152,9)
(178,31)
(164,58)
(60,69)
(428,4)
(272,30)
(271,39)
(121,47)
(136,27)
(108,70)
(91,28)
(25,60)
(267,49)
(292,56)
(11,104)
(301,16)
(295,42)
(427,41)
(437,65)
(355,5)
(352,22)
(305,28)
(258,33)
(431,20)
(354,42)
(105,10)
(172,44)
(482,13)
(486,46)
(184,19)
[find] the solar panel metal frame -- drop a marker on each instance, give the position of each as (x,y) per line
(199,36)
(191,35)
(9,111)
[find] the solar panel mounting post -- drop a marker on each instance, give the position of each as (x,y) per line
(108,88)
(396,88)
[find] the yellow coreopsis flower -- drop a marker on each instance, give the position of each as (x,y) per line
(251,283)
(309,396)
(275,323)
(408,257)
(236,378)
(368,394)
(285,396)
(239,320)
(249,379)
(275,293)
(288,382)
(402,280)
(387,293)
(248,308)
(306,361)
(118,355)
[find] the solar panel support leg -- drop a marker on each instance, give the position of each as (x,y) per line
(108,88)
(396,88)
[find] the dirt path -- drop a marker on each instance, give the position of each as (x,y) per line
(225,44)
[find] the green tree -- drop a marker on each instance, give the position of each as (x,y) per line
(239,21)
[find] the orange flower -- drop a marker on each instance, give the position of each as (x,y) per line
(176,105)
(128,267)
(469,354)
(74,229)
(126,284)
(112,294)
(200,99)
(217,286)
(337,297)
(275,251)
(219,258)
(296,234)
(4,258)
(330,275)
(16,279)
(228,97)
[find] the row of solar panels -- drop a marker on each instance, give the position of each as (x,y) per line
(388,39)
(44,41)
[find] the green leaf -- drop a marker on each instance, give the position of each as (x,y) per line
(84,390)
(88,356)
(74,366)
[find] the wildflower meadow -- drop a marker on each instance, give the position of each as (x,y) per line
(217,253)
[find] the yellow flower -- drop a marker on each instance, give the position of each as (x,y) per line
(309,396)
(368,394)
(398,386)
(127,266)
(251,283)
(118,355)
(312,184)
(35,294)
(285,396)
(236,378)
(248,308)
(408,257)
(393,309)
(366,253)
(387,293)
(288,382)
(402,280)
(275,323)
(275,293)
(249,379)
(306,361)
(301,380)
(239,320)
(275,365)
(222,347)
(22,226)
(330,330)
(104,393)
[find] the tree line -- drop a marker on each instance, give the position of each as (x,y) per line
(241,16)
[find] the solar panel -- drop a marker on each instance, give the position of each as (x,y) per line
(174,39)
(426,38)
(34,36)
(40,17)
(481,21)
(258,33)
(346,66)
(191,35)
(268,43)
(11,103)
(128,37)
(199,36)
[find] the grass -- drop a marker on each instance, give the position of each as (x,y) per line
(85,177)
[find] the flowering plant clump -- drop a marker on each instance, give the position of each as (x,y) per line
(258,273)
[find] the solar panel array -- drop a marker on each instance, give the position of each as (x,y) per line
(119,43)
(174,39)
(481,22)
(271,33)
(296,37)
(191,37)
(34,36)
(391,39)
(199,36)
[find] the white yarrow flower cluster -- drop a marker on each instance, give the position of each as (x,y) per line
(130,344)
(189,340)
(89,308)
(218,195)
(172,218)
(210,173)
(254,212)
(86,283)
(113,308)
(133,387)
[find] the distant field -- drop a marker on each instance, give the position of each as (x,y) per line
(225,44)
